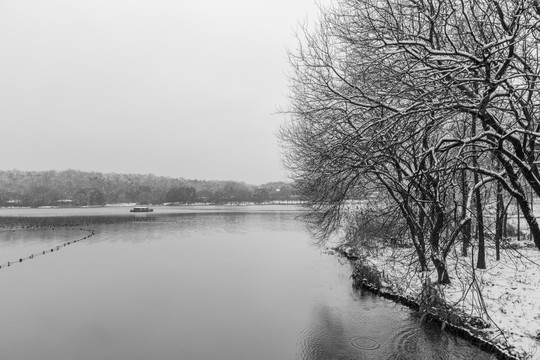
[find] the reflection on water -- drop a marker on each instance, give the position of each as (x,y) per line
(201,285)
(324,338)
(376,328)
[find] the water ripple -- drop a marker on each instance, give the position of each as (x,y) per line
(365,343)
(405,342)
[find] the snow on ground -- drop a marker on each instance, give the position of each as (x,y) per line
(511,292)
(509,288)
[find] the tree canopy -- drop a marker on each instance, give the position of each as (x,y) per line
(423,102)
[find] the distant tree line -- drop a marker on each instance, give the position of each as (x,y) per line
(78,188)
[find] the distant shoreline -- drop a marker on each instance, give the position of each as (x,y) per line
(157,205)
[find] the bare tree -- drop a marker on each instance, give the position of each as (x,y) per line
(397,67)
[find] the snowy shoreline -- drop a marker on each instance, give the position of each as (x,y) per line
(507,324)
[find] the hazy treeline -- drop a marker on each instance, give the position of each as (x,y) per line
(79,188)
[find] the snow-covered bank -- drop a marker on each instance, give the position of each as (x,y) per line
(506,295)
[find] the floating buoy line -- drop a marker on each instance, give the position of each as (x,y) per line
(82,223)
(48,251)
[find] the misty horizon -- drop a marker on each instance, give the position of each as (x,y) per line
(171,88)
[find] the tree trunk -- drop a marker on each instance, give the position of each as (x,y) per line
(440,266)
(521,198)
(532,210)
(436,258)
(530,218)
(481,263)
(518,225)
(466,240)
(505,222)
(499,218)
(418,242)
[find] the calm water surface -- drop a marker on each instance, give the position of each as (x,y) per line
(211,283)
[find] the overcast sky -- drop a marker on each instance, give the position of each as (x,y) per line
(170,87)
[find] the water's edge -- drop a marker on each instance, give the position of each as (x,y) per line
(469,333)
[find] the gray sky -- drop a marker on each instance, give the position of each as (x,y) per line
(171,87)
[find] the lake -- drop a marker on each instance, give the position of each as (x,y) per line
(197,283)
